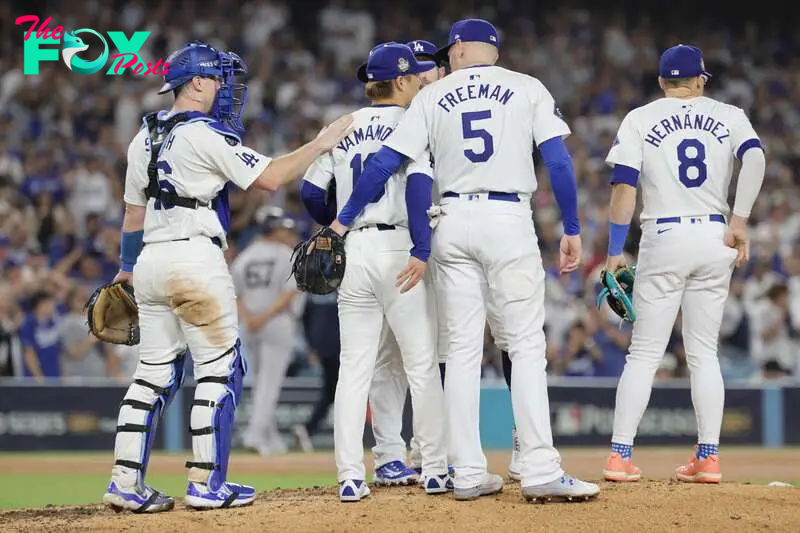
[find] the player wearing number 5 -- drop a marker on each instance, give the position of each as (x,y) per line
(681,149)
(481,123)
(176,205)
(269,305)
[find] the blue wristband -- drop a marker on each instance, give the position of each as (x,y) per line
(130,247)
(617,235)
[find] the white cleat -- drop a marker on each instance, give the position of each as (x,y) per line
(439,484)
(565,488)
(491,484)
(353,490)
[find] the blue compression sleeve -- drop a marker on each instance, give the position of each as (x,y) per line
(314,199)
(617,234)
(562,180)
(130,247)
(377,172)
(419,189)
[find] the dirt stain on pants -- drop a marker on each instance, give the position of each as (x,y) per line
(195,305)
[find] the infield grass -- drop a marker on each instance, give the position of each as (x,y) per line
(39,490)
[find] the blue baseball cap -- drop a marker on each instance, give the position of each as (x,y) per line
(682,61)
(391,60)
(470,31)
(422,48)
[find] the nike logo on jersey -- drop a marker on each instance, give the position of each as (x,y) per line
(663,230)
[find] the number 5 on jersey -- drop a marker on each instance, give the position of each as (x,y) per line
(471,131)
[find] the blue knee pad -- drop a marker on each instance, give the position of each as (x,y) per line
(154,399)
(219,395)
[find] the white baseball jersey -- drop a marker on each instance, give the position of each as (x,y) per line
(684,150)
(261,273)
(345,163)
(195,162)
(465,117)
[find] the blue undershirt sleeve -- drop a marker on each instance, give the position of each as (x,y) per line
(419,188)
(376,173)
(314,199)
(562,180)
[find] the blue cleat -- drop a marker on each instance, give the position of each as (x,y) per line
(137,499)
(450,470)
(394,473)
(353,490)
(438,484)
(199,496)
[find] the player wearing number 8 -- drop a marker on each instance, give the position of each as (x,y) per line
(481,124)
(681,149)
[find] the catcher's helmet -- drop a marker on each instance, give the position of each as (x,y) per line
(195,59)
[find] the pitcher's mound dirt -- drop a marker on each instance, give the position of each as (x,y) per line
(655,505)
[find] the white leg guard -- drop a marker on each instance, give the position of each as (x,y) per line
(219,386)
(153,387)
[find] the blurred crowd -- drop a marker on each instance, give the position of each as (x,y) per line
(63,140)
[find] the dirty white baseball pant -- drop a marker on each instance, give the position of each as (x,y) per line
(186,298)
(366,296)
(488,248)
(269,353)
(682,265)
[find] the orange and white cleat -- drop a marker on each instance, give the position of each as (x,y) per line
(699,470)
(621,469)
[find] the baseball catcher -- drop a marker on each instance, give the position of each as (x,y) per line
(318,263)
(618,291)
(112,314)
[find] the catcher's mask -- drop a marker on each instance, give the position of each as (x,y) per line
(232,95)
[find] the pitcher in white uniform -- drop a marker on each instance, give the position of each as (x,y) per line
(681,148)
(387,251)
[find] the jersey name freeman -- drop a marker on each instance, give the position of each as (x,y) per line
(475,92)
(674,123)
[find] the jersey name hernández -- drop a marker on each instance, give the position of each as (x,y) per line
(345,163)
(481,124)
(684,150)
(196,161)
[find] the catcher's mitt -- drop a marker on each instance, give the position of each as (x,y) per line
(318,263)
(618,291)
(112,314)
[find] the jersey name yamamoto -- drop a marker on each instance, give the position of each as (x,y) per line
(684,150)
(195,162)
(345,163)
(481,124)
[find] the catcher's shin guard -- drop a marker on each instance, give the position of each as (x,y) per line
(213,409)
(152,390)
